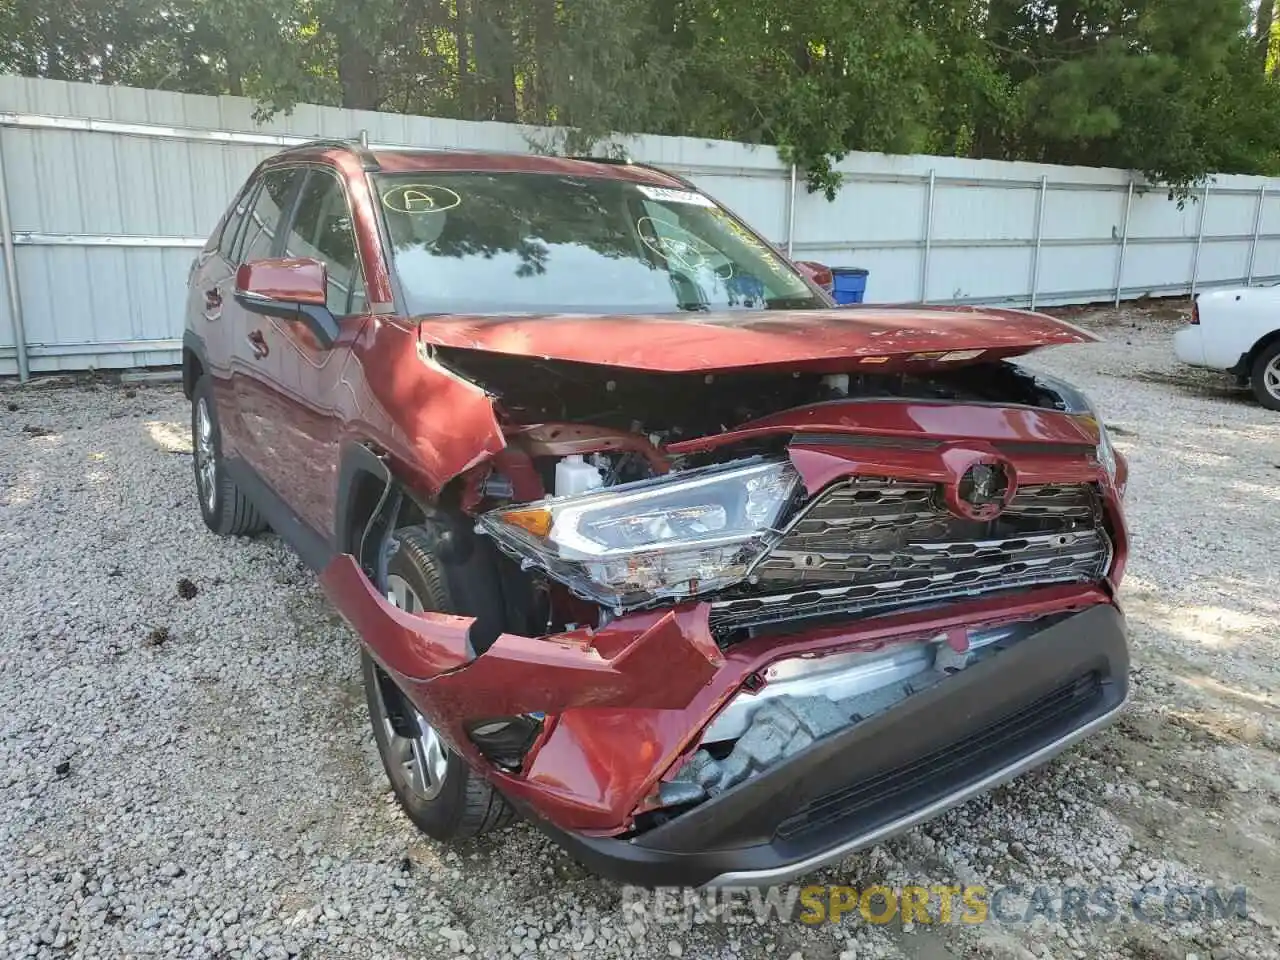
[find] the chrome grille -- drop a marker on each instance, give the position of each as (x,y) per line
(873,544)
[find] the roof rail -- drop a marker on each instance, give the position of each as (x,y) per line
(627,161)
(615,160)
(358,146)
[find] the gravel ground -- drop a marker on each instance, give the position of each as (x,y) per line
(186,768)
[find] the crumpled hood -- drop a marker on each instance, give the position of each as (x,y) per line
(791,339)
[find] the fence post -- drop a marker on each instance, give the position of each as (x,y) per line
(11,272)
(1124,239)
(791,213)
(928,238)
(1195,260)
(1035,256)
(1257,228)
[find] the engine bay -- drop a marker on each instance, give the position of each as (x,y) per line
(624,489)
(670,407)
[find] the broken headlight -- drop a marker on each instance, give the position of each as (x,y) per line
(1075,401)
(667,538)
(1106,452)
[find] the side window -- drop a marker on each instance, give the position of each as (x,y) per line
(258,241)
(231,223)
(321,229)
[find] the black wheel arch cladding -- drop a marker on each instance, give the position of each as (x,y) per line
(482,582)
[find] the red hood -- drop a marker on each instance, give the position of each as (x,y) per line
(793,339)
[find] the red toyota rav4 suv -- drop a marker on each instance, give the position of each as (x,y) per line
(643,536)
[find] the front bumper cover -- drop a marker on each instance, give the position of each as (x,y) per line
(882,776)
(626,703)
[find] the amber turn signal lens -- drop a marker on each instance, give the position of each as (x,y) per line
(537,522)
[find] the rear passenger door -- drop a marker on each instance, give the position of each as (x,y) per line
(251,375)
(301,438)
(210,285)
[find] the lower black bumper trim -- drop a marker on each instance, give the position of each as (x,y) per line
(937,749)
(917,817)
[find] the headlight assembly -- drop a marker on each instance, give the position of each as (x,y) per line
(1106,452)
(1076,402)
(670,537)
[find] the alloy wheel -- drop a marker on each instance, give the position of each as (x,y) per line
(206,456)
(1271,377)
(423,757)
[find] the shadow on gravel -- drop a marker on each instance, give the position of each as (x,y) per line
(1196,383)
(1166,312)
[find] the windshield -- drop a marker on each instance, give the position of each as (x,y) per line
(548,243)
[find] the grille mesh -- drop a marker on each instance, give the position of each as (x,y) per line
(871,543)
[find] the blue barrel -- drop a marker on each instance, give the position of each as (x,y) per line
(850,283)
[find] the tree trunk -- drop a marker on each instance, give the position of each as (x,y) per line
(357,73)
(53,63)
(462,33)
(1262,32)
(235,75)
(1065,27)
(664,15)
(482,34)
(506,89)
(544,43)
(495,63)
(988,137)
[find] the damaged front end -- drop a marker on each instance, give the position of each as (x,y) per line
(772,616)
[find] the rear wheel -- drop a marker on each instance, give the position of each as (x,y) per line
(226,510)
(436,788)
(1266,377)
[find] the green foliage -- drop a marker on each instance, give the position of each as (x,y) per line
(1178,89)
(817,79)
(1174,93)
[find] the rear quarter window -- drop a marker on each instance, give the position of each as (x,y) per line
(232,220)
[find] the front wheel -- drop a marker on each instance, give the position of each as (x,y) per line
(436,788)
(1266,377)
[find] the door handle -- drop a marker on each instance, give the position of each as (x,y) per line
(258,343)
(212,303)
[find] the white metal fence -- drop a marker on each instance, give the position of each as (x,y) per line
(105,192)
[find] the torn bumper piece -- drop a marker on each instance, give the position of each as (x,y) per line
(626,705)
(851,790)
(658,660)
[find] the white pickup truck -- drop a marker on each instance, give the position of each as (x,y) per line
(1237,331)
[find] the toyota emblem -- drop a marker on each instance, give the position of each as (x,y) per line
(984,488)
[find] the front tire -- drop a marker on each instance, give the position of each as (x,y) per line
(434,786)
(225,508)
(1266,377)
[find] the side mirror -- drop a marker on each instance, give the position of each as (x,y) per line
(819,273)
(292,289)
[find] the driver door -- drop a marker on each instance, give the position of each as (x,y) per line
(251,378)
(301,436)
